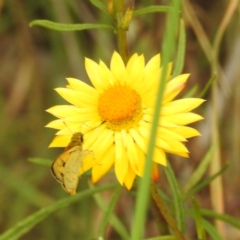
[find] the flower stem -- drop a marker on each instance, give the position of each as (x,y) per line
(119,11)
(165,213)
(122,44)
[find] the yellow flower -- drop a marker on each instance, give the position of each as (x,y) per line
(116,114)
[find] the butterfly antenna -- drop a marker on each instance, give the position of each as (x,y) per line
(94,127)
(68,128)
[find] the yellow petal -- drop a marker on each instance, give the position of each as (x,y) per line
(147,120)
(145,132)
(183,118)
(121,166)
(117,66)
(78,99)
(136,72)
(131,61)
(132,154)
(60,141)
(187,132)
(165,123)
(148,87)
(141,161)
(130,176)
(62,111)
(118,145)
(70,129)
(139,140)
(181,154)
(99,170)
(87,119)
(170,134)
(56,124)
(159,157)
(168,110)
(106,74)
(82,87)
(161,143)
(72,114)
(99,141)
(175,146)
(174,86)
(178,106)
(93,72)
(87,163)
(168,73)
(153,64)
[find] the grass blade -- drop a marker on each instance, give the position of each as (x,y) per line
(178,203)
(179,63)
(200,171)
(28,223)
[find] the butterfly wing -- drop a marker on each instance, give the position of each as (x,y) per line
(71,170)
(57,167)
(66,168)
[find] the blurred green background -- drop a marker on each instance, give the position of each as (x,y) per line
(34,61)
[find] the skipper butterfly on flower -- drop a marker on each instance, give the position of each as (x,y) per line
(65,168)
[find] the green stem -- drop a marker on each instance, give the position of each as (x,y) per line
(119,10)
(122,44)
(142,194)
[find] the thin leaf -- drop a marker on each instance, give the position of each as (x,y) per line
(41,161)
(164,196)
(143,190)
(198,221)
(207,226)
(212,214)
(191,92)
(204,183)
(151,9)
(224,217)
(28,223)
(208,85)
(69,27)
(178,203)
(200,171)
(179,63)
(99,5)
(109,212)
(114,221)
(211,230)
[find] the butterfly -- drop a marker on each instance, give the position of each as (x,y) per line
(65,167)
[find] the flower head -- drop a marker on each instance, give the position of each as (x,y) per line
(115,116)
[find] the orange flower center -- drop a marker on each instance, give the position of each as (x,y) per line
(120,106)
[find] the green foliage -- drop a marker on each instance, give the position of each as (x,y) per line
(41,161)
(177,199)
(110,216)
(179,62)
(151,9)
(198,221)
(142,197)
(68,27)
(25,225)
(28,191)
(99,5)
